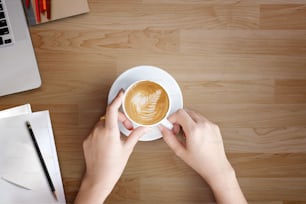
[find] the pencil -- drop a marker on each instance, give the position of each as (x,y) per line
(42,162)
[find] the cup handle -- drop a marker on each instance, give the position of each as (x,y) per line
(167,124)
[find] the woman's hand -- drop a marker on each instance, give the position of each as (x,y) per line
(106,154)
(203,150)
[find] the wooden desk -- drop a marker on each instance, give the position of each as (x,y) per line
(240,63)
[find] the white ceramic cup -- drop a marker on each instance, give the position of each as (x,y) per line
(164,121)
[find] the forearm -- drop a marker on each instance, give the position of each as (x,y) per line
(227,190)
(91,193)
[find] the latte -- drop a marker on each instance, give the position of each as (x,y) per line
(146,103)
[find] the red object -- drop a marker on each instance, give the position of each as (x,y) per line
(37,9)
(44,5)
(41,6)
(28,3)
(49,9)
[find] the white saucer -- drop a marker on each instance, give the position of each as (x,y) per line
(148,73)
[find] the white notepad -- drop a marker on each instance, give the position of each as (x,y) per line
(19,161)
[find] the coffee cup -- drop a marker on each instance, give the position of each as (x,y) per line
(147,103)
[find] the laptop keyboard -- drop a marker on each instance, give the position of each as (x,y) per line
(5,32)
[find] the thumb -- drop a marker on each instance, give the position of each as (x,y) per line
(172,142)
(135,135)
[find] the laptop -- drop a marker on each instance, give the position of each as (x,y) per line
(18,66)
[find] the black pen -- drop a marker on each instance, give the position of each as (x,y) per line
(42,162)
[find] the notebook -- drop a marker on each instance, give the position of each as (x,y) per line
(22,179)
(18,66)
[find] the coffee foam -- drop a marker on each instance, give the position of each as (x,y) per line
(146,103)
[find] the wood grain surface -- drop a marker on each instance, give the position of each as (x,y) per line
(240,63)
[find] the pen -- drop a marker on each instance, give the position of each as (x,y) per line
(42,162)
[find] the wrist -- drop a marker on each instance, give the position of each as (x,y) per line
(92,191)
(226,188)
(224,180)
(222,176)
(99,185)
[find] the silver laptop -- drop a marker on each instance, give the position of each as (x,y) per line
(18,66)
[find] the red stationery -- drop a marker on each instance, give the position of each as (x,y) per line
(42,11)
(37,9)
(48,5)
(41,8)
(44,5)
(27,3)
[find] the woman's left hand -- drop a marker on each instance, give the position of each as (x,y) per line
(106,154)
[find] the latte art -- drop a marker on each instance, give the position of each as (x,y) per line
(146,103)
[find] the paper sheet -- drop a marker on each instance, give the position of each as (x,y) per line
(19,161)
(19,110)
(15,111)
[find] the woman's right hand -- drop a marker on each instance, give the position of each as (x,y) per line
(203,151)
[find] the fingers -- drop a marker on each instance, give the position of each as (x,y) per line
(172,142)
(195,116)
(125,121)
(111,120)
(135,135)
(182,118)
(176,129)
